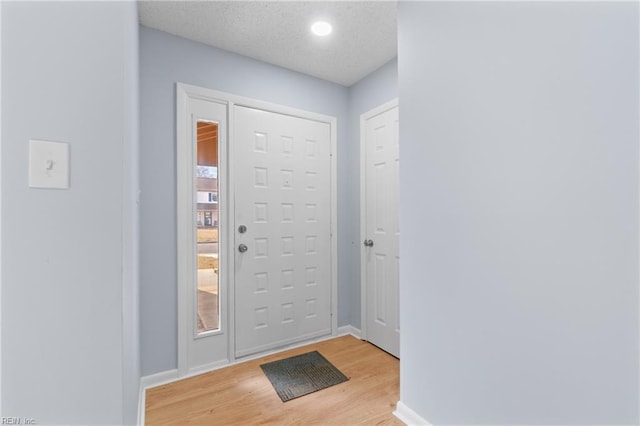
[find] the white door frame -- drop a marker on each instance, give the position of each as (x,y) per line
(186,220)
(363,207)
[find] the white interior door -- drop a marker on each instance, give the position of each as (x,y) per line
(381,231)
(283,254)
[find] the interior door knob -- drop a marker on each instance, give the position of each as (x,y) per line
(242,248)
(368,243)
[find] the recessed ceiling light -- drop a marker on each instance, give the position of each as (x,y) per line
(321,28)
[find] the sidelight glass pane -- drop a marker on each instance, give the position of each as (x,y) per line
(207,208)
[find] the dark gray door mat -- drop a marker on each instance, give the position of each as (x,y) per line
(301,375)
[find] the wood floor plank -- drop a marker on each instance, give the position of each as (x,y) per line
(242,395)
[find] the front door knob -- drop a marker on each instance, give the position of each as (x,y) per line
(368,243)
(242,248)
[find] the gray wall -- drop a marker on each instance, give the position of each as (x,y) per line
(68,258)
(165,60)
(519,129)
(374,90)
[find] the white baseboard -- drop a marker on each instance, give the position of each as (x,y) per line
(158,379)
(152,381)
(408,416)
(349,329)
(142,402)
(205,368)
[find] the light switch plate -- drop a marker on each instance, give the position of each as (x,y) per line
(48,164)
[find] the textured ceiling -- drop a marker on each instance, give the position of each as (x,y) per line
(277,32)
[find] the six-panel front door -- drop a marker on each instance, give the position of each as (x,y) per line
(282,229)
(381,231)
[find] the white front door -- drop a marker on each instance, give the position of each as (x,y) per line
(283,243)
(379,130)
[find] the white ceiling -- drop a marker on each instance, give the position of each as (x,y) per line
(277,32)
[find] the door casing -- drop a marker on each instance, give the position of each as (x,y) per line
(186,220)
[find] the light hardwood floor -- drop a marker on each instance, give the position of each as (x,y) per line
(242,395)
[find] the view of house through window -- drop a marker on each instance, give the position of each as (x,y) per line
(207,226)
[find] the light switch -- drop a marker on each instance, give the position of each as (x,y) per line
(48,164)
